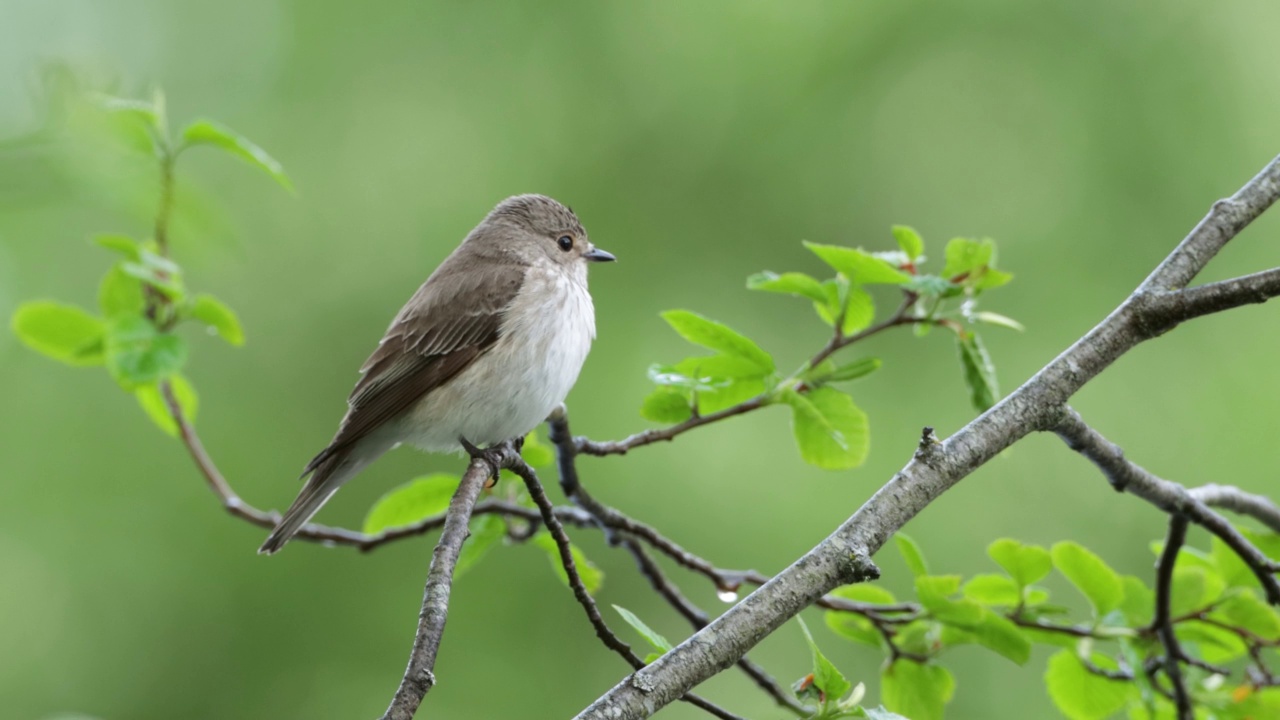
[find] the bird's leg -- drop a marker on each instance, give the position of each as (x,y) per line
(492,456)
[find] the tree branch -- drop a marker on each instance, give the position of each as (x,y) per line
(1232,498)
(845,556)
(1162,624)
(419,676)
(1126,476)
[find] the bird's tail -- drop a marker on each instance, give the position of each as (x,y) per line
(326,477)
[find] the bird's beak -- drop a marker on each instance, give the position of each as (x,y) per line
(595,254)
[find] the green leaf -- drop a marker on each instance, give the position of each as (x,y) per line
(486,531)
(166,282)
(792,283)
(731,394)
(138,354)
(1091,576)
(964,256)
(921,692)
(935,595)
(63,332)
(851,371)
(207,132)
(1244,609)
(853,626)
(535,452)
(1214,644)
(909,240)
(859,308)
(995,632)
(991,318)
(592,576)
(831,431)
(1194,588)
(123,244)
(416,500)
(711,334)
(713,370)
(993,590)
(1026,564)
(1139,601)
(1082,695)
(912,554)
(153,403)
(930,286)
(659,643)
(667,405)
(825,675)
(120,293)
(979,372)
(1230,566)
(214,313)
(860,266)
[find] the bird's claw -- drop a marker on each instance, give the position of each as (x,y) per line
(492,456)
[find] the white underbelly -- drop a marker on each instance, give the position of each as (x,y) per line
(516,384)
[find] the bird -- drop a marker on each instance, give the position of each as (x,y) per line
(481,354)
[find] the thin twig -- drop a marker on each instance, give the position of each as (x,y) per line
(1126,476)
(419,676)
(1162,625)
(607,636)
(838,342)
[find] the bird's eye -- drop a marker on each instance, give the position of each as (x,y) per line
(565,242)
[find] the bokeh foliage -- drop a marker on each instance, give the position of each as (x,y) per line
(700,142)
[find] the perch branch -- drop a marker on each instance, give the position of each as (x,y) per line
(419,676)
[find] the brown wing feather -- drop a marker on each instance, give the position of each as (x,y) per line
(453,319)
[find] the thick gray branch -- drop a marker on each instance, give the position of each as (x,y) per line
(845,556)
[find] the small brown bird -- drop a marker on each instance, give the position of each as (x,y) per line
(482,353)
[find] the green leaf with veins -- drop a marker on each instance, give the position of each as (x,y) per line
(62,332)
(791,283)
(1091,576)
(929,286)
(717,336)
(830,430)
(152,402)
(207,132)
(993,590)
(828,371)
(859,266)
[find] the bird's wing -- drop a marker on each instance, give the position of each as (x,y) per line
(453,319)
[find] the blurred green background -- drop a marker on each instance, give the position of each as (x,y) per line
(700,142)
